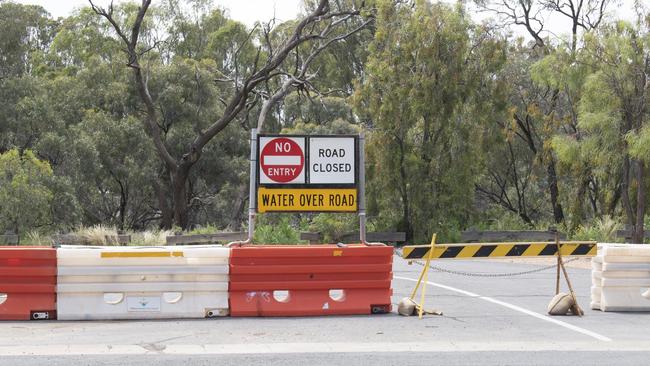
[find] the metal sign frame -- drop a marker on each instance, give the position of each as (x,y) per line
(360,181)
(307,185)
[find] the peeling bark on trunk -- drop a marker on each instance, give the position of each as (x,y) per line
(179,192)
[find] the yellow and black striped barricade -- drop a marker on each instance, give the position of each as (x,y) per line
(500,250)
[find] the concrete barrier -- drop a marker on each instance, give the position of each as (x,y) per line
(142,282)
(621,278)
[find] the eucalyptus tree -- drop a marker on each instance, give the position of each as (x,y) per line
(542,106)
(244,80)
(430,87)
(614,116)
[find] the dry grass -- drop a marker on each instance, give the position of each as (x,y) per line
(151,238)
(96,235)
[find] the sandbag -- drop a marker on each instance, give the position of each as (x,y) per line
(560,304)
(406,307)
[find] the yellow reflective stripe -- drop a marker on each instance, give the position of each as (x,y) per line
(468,251)
(501,250)
(534,250)
(568,248)
(141,254)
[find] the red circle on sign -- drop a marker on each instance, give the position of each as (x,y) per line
(282,160)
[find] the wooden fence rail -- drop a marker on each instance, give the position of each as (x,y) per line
(205,238)
(627,234)
(316,237)
(475,236)
(71,239)
(9,239)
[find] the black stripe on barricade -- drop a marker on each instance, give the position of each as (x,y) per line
(517,250)
(582,249)
(451,252)
(549,249)
(484,251)
(418,252)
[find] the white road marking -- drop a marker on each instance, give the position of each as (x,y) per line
(586,332)
(326,347)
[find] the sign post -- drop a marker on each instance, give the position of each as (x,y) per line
(362,188)
(292,173)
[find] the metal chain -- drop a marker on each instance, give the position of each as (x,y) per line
(474,274)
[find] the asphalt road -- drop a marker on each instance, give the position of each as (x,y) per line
(486,321)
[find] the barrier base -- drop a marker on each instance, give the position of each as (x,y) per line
(29,307)
(310,303)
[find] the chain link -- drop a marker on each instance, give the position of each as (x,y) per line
(479,274)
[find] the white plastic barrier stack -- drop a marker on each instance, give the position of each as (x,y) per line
(621,278)
(142,282)
(596,277)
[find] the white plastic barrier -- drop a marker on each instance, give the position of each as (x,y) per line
(621,278)
(142,282)
(596,276)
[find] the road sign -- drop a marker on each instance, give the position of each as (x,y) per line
(332,160)
(282,160)
(306,199)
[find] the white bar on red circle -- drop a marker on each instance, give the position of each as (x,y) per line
(282,160)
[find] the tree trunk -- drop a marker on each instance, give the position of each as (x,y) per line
(240,204)
(558,213)
(124,198)
(405,224)
(524,216)
(166,213)
(625,192)
(123,202)
(179,192)
(613,203)
(637,236)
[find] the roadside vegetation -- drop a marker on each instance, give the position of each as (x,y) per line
(136,118)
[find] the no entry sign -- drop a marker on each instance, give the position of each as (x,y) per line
(282,160)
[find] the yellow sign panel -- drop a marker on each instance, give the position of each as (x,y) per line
(306,199)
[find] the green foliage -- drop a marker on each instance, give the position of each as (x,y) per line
(207,229)
(25,196)
(464,127)
(335,127)
(602,230)
(278,230)
(496,218)
(333,226)
(639,144)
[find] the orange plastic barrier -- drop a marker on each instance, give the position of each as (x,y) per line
(310,280)
(27,283)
